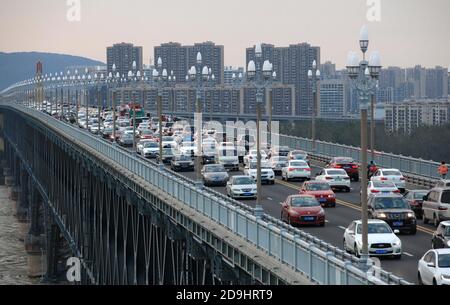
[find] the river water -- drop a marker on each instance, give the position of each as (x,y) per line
(13,257)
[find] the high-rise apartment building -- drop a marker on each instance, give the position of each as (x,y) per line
(123,55)
(291,65)
(332,98)
(179,59)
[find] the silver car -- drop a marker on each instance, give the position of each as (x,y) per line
(277,163)
(214,174)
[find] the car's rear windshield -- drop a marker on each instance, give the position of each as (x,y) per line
(444,260)
(445,198)
(382,184)
(335,172)
(318,187)
(391,173)
(390,203)
(304,202)
(344,160)
(420,195)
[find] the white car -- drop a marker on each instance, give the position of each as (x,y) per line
(241,187)
(296,169)
(140,145)
(169,141)
(336,178)
(223,145)
(390,174)
(186,148)
(434,267)
(252,155)
(267,174)
(277,163)
(150,149)
(381,187)
(382,241)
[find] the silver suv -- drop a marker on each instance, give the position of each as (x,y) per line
(436,205)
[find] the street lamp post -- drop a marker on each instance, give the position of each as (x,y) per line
(364,74)
(314,77)
(160,78)
(133,77)
(199,77)
(261,78)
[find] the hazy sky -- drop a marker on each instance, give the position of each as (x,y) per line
(409,32)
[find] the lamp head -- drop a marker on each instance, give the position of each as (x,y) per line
(364,39)
(258,50)
(199,58)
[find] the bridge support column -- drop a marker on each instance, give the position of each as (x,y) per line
(9,180)
(3,165)
(23,198)
(34,241)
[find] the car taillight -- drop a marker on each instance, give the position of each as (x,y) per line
(328,178)
(383,178)
(441,208)
(291,169)
(346,178)
(375,191)
(338,166)
(354,166)
(397,191)
(330,196)
(307,169)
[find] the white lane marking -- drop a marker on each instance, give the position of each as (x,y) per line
(343,228)
(326,221)
(269,198)
(408,254)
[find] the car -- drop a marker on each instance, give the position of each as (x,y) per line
(347,164)
(182,162)
(390,174)
(434,268)
(214,174)
(169,140)
(188,148)
(241,187)
(150,149)
(228,157)
(277,163)
(443,183)
(415,200)
(382,241)
(280,151)
(321,190)
(146,134)
(393,209)
(252,155)
(441,237)
(168,154)
(126,139)
(302,210)
(107,132)
(296,169)
(267,174)
(436,205)
(299,155)
(208,153)
(336,178)
(140,145)
(381,187)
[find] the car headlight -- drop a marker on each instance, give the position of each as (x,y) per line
(397,243)
(322,213)
(411,215)
(448,243)
(381,215)
(445,277)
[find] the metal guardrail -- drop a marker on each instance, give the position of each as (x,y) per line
(320,262)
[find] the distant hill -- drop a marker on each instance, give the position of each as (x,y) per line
(18,66)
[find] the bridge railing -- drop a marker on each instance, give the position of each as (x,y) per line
(317,260)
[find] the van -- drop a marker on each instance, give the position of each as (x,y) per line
(228,157)
(436,205)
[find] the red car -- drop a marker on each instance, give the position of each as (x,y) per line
(302,210)
(348,164)
(321,190)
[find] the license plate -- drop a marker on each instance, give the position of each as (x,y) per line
(385,192)
(338,179)
(247,194)
(397,223)
(308,218)
(380,251)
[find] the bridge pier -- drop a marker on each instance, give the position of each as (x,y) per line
(35,240)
